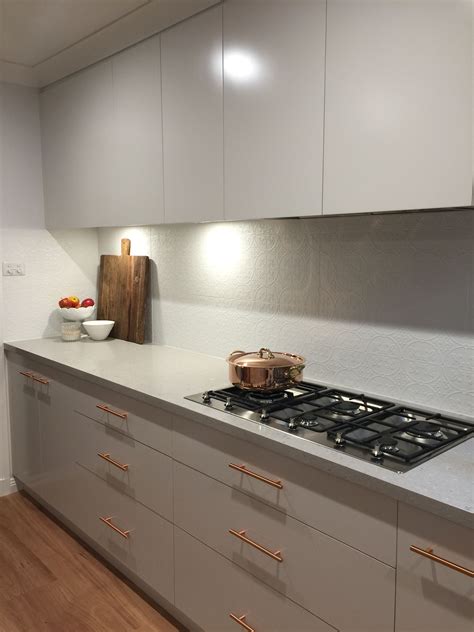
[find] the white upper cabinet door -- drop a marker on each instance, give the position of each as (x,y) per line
(398,105)
(79,160)
(273,107)
(102,143)
(191,61)
(138,136)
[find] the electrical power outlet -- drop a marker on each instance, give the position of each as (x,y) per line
(13,269)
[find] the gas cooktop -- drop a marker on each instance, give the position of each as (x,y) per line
(384,433)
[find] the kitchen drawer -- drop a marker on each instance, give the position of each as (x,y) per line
(148,549)
(209,589)
(126,464)
(430,596)
(352,514)
(131,417)
(343,586)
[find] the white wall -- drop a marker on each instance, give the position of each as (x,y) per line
(376,303)
(59,263)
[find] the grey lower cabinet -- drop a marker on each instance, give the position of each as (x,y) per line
(25,437)
(433,596)
(171,504)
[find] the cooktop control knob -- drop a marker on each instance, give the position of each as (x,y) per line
(377,454)
(293,424)
(206,398)
(228,404)
(339,441)
(264,416)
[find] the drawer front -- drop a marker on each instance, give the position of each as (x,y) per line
(342,586)
(361,518)
(209,589)
(131,417)
(148,549)
(432,597)
(126,464)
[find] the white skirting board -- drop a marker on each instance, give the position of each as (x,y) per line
(7,486)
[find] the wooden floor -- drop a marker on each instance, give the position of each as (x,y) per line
(50,583)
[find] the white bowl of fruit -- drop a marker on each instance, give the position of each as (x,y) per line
(72,308)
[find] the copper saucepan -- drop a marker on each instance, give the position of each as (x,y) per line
(264,370)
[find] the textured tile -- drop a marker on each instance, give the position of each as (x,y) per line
(378,303)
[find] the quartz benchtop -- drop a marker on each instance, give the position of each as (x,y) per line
(164,375)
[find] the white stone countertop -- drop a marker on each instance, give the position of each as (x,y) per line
(165,375)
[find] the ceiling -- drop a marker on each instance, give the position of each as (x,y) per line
(42,41)
(35,30)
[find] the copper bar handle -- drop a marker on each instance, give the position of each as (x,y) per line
(41,380)
(109,523)
(26,373)
(275,555)
(259,477)
(440,560)
(241,621)
(108,458)
(106,409)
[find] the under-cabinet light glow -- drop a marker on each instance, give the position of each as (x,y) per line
(241,66)
(221,247)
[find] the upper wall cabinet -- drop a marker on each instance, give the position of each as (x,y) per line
(398,105)
(191,58)
(273,107)
(77,145)
(139,145)
(102,145)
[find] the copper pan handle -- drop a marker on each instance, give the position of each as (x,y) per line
(267,351)
(235,353)
(295,371)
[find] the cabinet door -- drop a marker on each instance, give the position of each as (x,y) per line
(24,425)
(398,105)
(79,158)
(59,441)
(273,107)
(102,143)
(138,136)
(430,596)
(192,119)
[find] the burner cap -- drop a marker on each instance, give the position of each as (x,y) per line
(424,429)
(389,444)
(346,406)
(266,398)
(308,420)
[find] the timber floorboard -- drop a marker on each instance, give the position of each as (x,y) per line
(50,582)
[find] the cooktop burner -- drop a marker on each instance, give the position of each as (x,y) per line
(425,430)
(382,432)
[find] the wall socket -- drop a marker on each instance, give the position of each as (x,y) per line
(13,269)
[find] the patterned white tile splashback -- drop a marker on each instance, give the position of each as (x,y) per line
(377,303)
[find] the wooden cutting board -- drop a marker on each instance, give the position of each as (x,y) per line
(123,293)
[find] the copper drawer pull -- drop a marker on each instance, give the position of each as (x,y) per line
(107,457)
(106,409)
(41,380)
(440,560)
(108,522)
(275,555)
(26,373)
(259,477)
(241,621)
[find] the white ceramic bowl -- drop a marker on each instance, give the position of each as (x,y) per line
(99,329)
(77,313)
